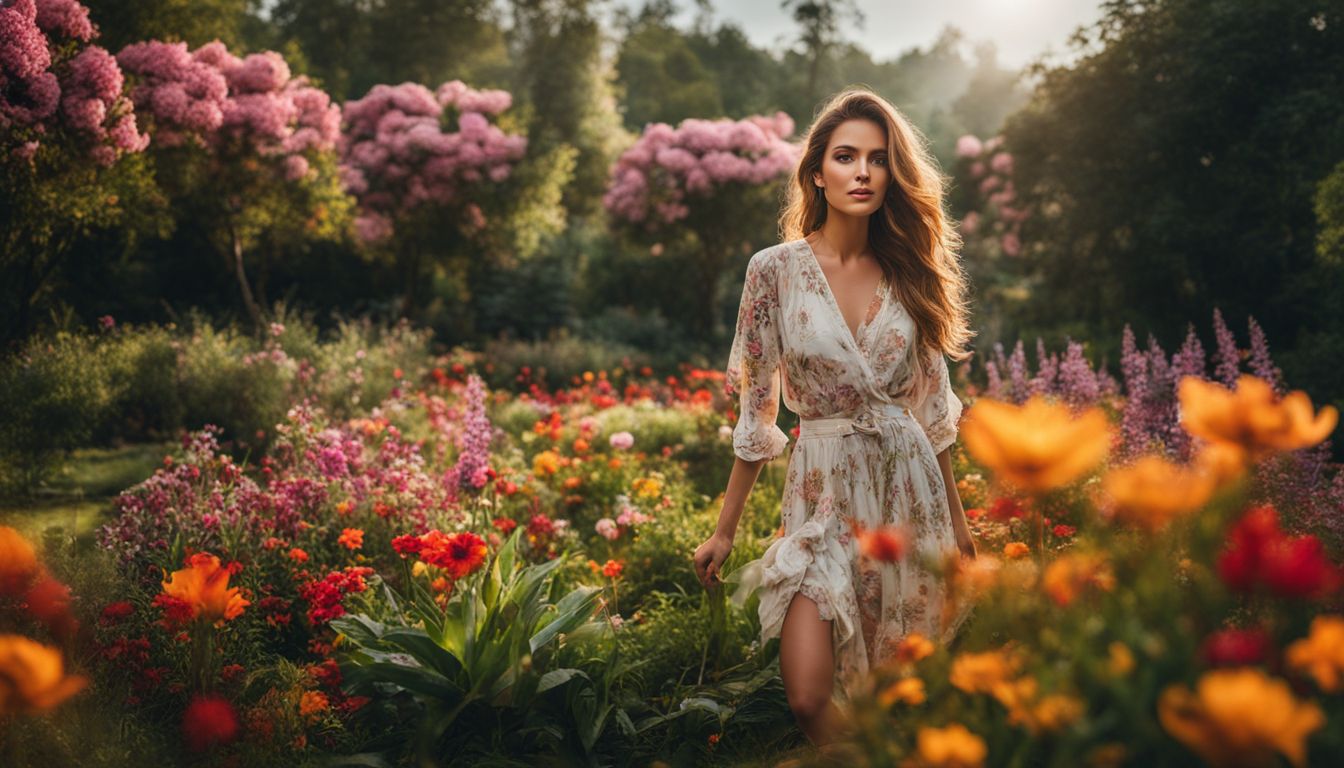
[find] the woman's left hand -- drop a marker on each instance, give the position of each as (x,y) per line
(966,544)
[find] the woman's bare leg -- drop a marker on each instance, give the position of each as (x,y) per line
(807,665)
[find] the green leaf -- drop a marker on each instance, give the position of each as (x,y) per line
(361,629)
(429,653)
(558,677)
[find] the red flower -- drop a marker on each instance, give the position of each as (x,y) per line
(885,544)
(113,613)
(1006,508)
(176,611)
(459,554)
(505,525)
(540,525)
(351,538)
(612,569)
(407,545)
(208,722)
(1258,552)
(1064,531)
(1235,647)
(49,602)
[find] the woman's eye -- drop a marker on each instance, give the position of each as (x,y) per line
(842,157)
(880,160)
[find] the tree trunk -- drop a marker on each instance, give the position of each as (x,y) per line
(241,273)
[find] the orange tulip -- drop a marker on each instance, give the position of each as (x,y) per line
(950,747)
(1152,491)
(32,676)
(1250,417)
(1036,447)
(18,561)
(1239,716)
(204,586)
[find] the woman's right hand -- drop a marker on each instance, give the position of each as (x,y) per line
(709,559)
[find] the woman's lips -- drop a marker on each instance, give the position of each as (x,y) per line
(863,194)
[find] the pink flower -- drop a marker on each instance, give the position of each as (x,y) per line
(969,146)
(606,527)
(622,441)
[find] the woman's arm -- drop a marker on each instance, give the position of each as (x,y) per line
(709,557)
(965,542)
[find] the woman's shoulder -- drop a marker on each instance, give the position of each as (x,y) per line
(772,260)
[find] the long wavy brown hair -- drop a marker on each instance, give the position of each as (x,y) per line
(913,238)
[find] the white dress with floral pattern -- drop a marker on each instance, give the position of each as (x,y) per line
(791,338)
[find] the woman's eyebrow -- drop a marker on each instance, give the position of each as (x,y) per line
(882,150)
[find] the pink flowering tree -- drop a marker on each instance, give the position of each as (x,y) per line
(438,173)
(64,124)
(243,147)
(709,187)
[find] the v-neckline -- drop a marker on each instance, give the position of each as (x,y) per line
(882,291)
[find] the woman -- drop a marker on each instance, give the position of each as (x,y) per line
(854,315)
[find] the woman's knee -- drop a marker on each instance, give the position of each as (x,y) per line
(808,704)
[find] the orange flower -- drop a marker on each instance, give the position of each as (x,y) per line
(1321,653)
(913,648)
(885,544)
(593,566)
(18,561)
(204,586)
(907,690)
(612,569)
(1152,491)
(1239,716)
(980,672)
(1036,447)
(298,555)
(950,747)
(351,538)
(1065,578)
(546,463)
(32,676)
(1250,417)
(312,704)
(1015,549)
(459,554)
(1120,660)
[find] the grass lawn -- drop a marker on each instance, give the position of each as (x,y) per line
(77,500)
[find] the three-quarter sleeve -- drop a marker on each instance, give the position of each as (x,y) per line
(754,363)
(936,407)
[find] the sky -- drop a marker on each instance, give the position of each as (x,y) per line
(1020,29)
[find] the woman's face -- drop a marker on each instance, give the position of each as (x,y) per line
(854,171)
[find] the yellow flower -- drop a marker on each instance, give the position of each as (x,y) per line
(1121,660)
(950,747)
(647,487)
(1038,715)
(913,648)
(1066,577)
(1321,653)
(1015,549)
(1250,417)
(18,561)
(907,690)
(204,586)
(32,676)
(979,672)
(1036,447)
(1239,716)
(1152,491)
(546,463)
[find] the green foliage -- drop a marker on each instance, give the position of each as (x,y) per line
(492,646)
(1173,168)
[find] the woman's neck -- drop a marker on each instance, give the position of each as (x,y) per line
(845,236)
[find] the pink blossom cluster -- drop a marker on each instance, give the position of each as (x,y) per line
(627,517)
(990,169)
(215,99)
(654,181)
(403,149)
(51,80)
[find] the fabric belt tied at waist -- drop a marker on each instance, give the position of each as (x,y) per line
(868,421)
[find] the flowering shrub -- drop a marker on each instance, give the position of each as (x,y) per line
(669,169)
(407,148)
(55,83)
(992,219)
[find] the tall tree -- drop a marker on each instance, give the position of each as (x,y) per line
(819,30)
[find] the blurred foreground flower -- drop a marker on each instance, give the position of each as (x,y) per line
(1321,653)
(950,747)
(32,677)
(1251,418)
(1239,717)
(1038,446)
(1152,491)
(18,561)
(209,721)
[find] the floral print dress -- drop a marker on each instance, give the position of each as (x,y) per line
(791,338)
